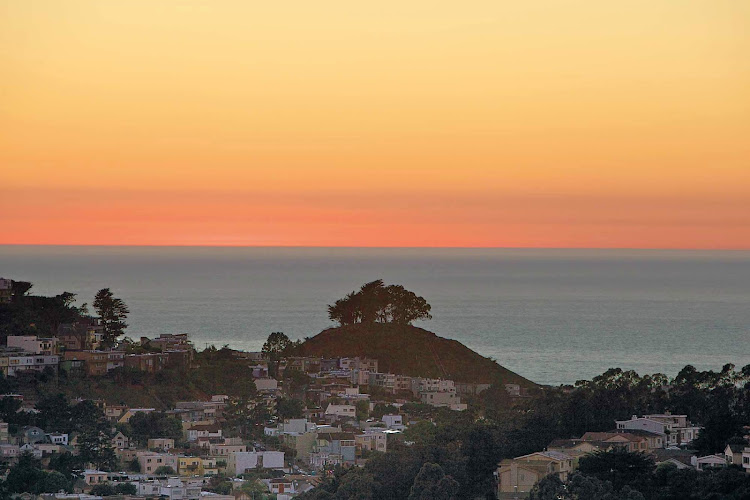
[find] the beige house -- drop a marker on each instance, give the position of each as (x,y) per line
(160,444)
(520,474)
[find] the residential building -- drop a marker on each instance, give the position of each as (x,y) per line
(97,363)
(733,454)
(160,444)
(358,363)
(150,461)
(393,422)
(150,362)
(92,476)
(746,459)
(33,344)
(341,411)
(13,362)
(335,448)
(125,418)
(224,450)
(520,474)
(206,431)
(440,398)
(57,438)
(266,384)
(249,461)
(677,428)
(372,440)
(190,466)
(420,385)
(709,462)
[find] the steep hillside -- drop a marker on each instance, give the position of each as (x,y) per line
(409,350)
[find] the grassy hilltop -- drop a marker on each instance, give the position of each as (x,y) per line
(408,350)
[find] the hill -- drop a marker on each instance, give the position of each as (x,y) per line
(408,350)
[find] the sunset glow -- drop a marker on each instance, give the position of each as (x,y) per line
(512,124)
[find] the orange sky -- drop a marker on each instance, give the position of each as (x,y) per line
(423,123)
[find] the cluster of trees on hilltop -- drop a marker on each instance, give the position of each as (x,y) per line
(28,314)
(377,303)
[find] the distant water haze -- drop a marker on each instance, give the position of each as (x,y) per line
(553,316)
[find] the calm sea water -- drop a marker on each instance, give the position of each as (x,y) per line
(553,316)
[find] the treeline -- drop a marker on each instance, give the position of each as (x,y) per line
(377,303)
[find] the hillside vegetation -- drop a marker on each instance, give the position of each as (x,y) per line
(408,350)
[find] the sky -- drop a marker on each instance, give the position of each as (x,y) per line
(390,123)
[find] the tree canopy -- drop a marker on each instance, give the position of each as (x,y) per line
(113,312)
(377,303)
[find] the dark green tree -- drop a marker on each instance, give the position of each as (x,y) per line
(618,467)
(431,483)
(113,312)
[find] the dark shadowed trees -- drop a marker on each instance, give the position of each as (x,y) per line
(377,303)
(113,312)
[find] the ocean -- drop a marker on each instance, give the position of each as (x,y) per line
(552,316)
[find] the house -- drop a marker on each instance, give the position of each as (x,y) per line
(190,466)
(120,440)
(371,440)
(249,461)
(677,428)
(92,476)
(13,361)
(623,440)
(33,435)
(9,452)
(439,398)
(150,462)
(680,458)
(210,466)
(520,474)
(266,384)
(125,418)
(173,488)
(150,362)
(420,385)
(223,449)
(114,412)
(32,449)
(33,344)
(97,363)
(57,438)
(393,421)
(576,448)
(205,431)
(733,454)
(709,462)
(84,334)
(341,411)
(745,459)
(334,448)
(160,444)
(281,485)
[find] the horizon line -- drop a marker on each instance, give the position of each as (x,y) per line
(373,247)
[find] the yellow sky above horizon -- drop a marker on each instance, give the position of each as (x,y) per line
(484,123)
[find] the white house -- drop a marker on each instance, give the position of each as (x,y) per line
(58,438)
(33,344)
(393,421)
(709,462)
(341,410)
